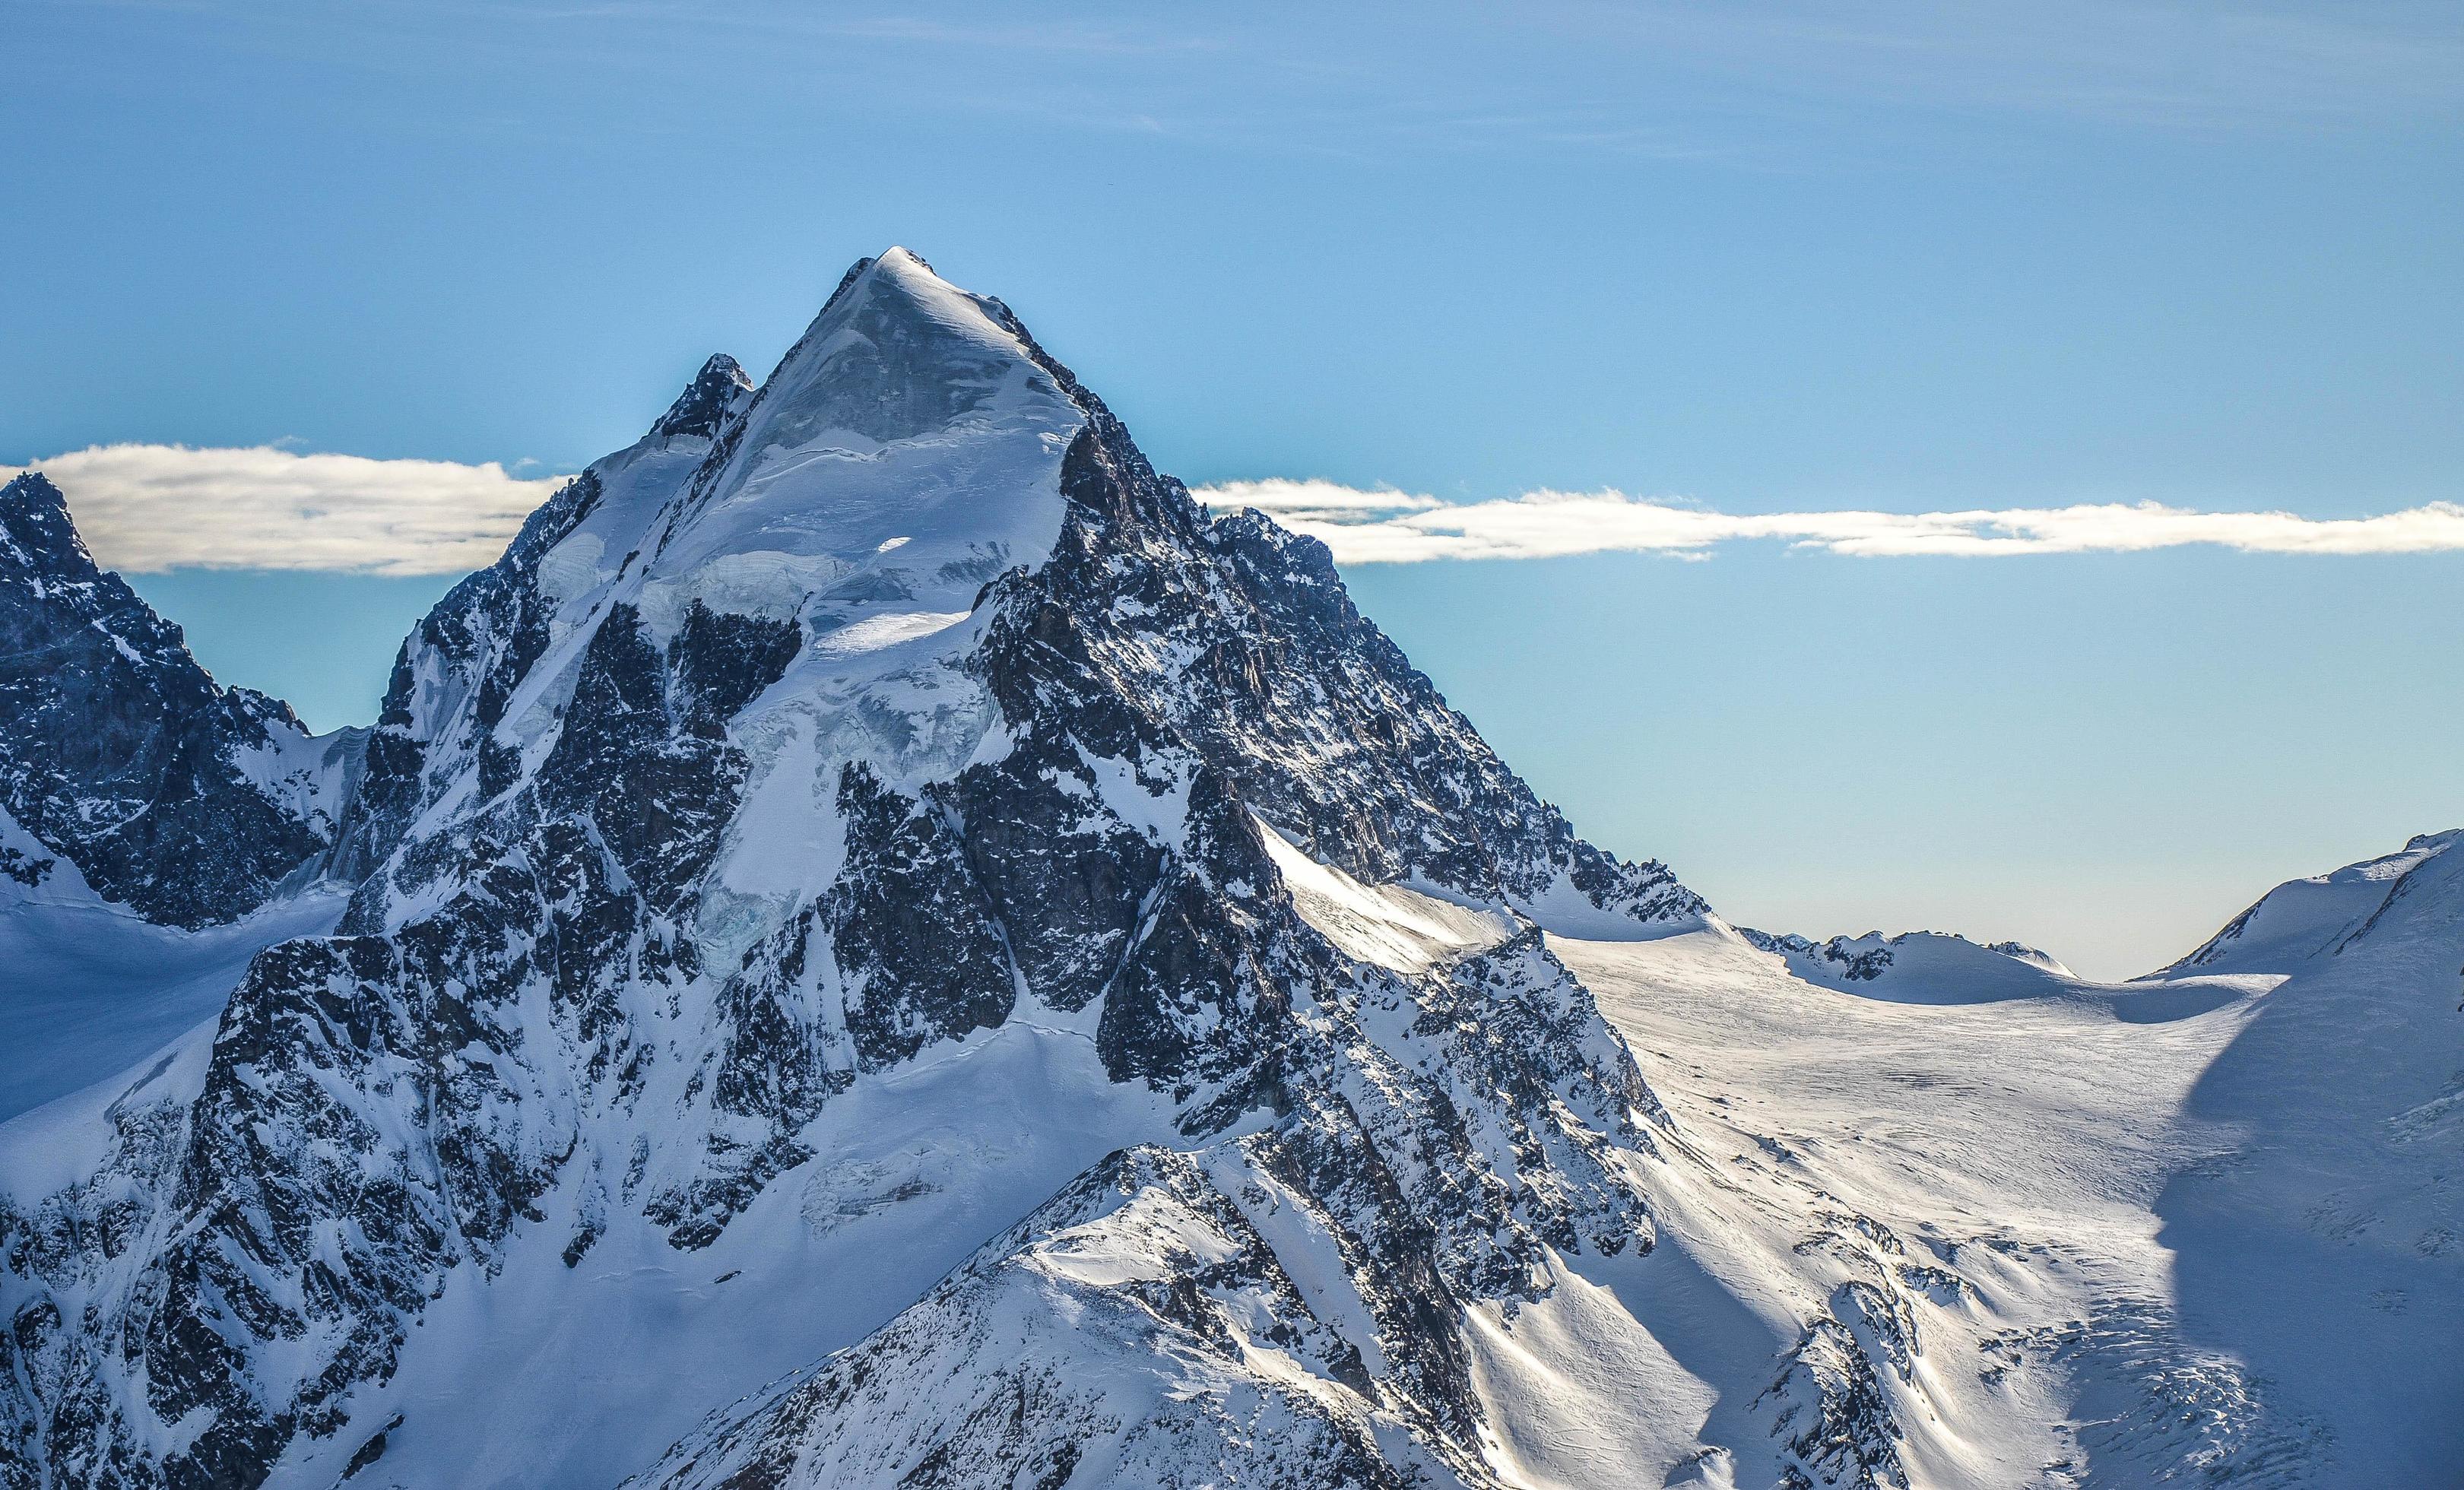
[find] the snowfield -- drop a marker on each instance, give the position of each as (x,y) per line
(2179,1230)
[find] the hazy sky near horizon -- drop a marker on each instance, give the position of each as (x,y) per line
(1747,269)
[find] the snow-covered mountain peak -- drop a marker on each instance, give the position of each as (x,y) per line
(1918,967)
(870,801)
(922,558)
(905,449)
(897,354)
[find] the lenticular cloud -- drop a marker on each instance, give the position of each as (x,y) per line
(1365,527)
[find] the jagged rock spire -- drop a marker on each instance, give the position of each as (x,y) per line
(718,391)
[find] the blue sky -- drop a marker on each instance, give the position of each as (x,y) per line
(1788,259)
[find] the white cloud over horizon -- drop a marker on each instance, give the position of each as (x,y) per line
(149,507)
(1385,526)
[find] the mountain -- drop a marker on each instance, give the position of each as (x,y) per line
(887,945)
(882,762)
(157,830)
(134,774)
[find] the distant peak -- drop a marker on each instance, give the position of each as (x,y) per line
(716,391)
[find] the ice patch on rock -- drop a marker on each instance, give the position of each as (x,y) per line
(764,583)
(1385,924)
(873,633)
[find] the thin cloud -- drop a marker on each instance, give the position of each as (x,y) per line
(1389,527)
(1313,498)
(147,508)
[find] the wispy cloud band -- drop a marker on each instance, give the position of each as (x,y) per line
(146,508)
(1373,527)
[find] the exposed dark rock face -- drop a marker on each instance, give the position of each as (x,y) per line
(1859,960)
(459,670)
(1241,638)
(718,391)
(915,933)
(1372,1153)
(26,869)
(187,802)
(1832,1417)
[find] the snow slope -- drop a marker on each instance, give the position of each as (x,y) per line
(1963,1185)
(2200,1228)
(90,987)
(2326,1248)
(156,829)
(598,1367)
(2299,921)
